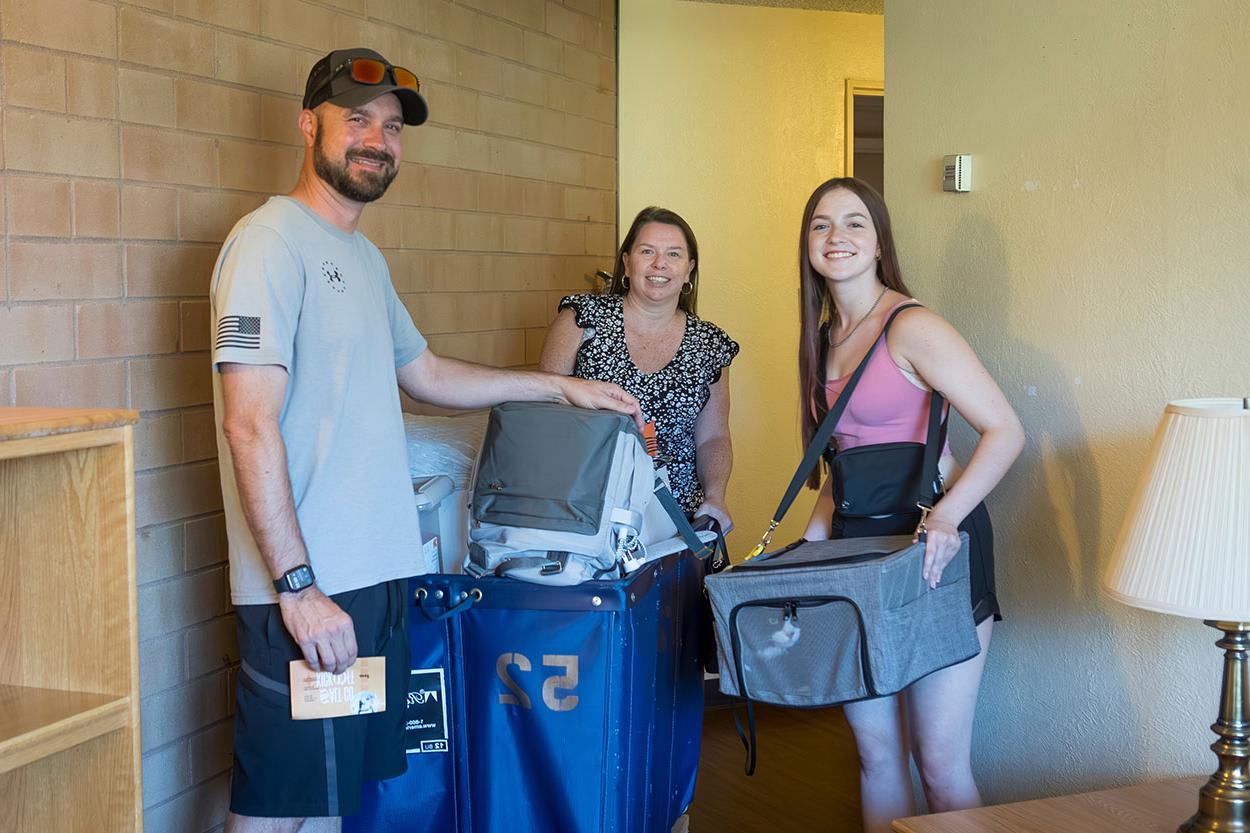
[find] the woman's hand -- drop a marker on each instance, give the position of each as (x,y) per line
(716,512)
(940,547)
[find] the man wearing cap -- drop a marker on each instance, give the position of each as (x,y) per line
(311,344)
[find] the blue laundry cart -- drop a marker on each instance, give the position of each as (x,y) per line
(574,709)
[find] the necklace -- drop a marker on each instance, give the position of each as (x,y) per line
(847,337)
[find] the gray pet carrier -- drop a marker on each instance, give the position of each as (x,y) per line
(830,622)
(820,623)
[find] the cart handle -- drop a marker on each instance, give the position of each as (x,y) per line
(467,601)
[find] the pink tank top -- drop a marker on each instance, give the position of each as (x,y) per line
(885,407)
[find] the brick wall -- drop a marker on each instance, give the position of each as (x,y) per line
(136,134)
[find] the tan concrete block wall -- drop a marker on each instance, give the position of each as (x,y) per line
(132,142)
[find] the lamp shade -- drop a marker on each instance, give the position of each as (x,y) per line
(1184,548)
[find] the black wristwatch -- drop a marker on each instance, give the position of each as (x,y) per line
(295,579)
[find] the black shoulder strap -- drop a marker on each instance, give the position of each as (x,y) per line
(821,438)
(929,489)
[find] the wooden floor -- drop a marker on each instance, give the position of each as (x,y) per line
(806,776)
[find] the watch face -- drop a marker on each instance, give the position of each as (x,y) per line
(300,577)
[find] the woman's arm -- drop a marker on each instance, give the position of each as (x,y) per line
(820,525)
(560,347)
(714,454)
(941,357)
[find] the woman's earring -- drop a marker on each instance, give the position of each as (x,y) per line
(625,281)
(687,287)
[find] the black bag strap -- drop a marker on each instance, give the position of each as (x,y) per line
(713,550)
(928,490)
(751,745)
(820,440)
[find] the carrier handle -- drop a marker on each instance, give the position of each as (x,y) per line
(467,601)
(720,552)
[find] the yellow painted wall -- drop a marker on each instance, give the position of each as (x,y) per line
(731,115)
(1101,266)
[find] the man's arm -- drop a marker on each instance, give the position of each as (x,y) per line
(451,383)
(252,396)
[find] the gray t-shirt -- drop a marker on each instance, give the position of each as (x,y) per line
(290,289)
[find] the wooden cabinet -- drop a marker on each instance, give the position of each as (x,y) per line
(69,690)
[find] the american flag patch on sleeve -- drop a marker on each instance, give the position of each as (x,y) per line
(238,331)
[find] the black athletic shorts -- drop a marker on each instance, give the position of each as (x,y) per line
(286,768)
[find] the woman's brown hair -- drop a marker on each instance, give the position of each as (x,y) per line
(816,308)
(654,214)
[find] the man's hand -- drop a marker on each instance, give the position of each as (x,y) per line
(603,396)
(322,630)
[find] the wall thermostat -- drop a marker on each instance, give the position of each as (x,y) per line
(957,172)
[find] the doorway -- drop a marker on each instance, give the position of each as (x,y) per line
(865,132)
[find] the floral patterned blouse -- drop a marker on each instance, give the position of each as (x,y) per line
(672,396)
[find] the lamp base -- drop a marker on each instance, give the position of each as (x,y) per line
(1224,801)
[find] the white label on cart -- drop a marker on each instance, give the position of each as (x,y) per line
(433,555)
(425,725)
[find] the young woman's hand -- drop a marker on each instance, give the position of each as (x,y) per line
(940,547)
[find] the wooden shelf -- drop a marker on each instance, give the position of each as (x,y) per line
(69,673)
(19,423)
(38,722)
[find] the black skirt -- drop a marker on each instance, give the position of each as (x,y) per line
(980,549)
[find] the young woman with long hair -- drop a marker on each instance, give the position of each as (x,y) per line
(849,284)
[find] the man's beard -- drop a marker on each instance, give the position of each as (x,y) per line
(366,186)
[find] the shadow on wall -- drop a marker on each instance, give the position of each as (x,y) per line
(1048,699)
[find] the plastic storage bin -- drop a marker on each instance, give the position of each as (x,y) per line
(436,512)
(442,449)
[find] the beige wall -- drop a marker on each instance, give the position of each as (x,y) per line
(135,134)
(1099,267)
(730,116)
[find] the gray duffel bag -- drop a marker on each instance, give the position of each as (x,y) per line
(831,622)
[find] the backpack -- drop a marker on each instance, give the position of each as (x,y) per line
(563,495)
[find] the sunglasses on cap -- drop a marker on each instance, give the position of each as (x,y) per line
(372,71)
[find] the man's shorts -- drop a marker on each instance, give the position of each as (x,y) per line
(288,768)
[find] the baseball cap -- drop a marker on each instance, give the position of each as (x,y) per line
(346,77)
